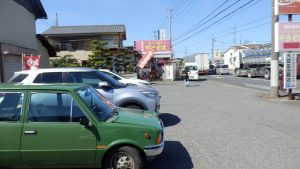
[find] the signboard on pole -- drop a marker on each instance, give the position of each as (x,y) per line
(145,59)
(287,37)
(155,46)
(31,62)
(290,71)
(287,7)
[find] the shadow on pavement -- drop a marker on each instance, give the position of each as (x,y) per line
(169,119)
(201,80)
(174,156)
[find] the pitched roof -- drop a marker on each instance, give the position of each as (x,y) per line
(88,29)
(35,7)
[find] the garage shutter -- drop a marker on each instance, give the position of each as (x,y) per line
(11,64)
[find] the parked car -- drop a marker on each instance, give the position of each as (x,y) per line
(137,97)
(72,125)
(124,80)
(222,69)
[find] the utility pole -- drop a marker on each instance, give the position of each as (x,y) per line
(56,19)
(155,35)
(290,92)
(170,25)
(234,37)
(212,47)
(274,58)
(186,51)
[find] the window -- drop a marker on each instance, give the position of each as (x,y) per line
(10,106)
(224,66)
(53,77)
(111,75)
(53,107)
(18,78)
(85,77)
(98,104)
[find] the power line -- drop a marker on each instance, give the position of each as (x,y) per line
(196,26)
(231,13)
(246,29)
(188,5)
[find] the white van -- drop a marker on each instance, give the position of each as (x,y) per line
(193,70)
(222,70)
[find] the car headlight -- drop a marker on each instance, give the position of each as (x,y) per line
(150,94)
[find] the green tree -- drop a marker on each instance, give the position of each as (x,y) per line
(101,56)
(65,61)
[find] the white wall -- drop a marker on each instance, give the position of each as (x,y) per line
(80,55)
(232,58)
(17,25)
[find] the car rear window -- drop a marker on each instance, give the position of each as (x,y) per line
(18,78)
(224,66)
(51,77)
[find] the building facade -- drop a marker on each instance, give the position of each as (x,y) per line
(18,34)
(76,40)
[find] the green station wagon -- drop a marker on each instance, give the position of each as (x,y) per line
(67,125)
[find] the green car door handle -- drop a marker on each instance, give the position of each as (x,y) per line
(30,132)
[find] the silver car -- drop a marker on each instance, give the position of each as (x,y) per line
(137,97)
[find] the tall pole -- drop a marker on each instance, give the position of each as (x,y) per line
(274,58)
(212,47)
(56,19)
(170,25)
(290,92)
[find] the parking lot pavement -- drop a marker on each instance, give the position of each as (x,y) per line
(215,125)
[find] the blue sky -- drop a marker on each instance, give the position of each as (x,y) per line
(251,24)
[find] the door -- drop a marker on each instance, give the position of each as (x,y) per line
(52,135)
(10,127)
(91,78)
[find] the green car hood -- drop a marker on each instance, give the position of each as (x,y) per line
(137,117)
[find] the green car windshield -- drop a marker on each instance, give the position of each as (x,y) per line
(99,105)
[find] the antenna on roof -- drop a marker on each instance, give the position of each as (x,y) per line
(56,19)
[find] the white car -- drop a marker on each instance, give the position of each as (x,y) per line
(129,96)
(124,80)
(222,70)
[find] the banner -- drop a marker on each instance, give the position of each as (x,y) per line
(290,71)
(145,59)
(31,62)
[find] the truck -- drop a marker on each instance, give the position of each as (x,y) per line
(192,71)
(255,63)
(201,60)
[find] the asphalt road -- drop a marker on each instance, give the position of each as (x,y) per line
(257,83)
(223,124)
